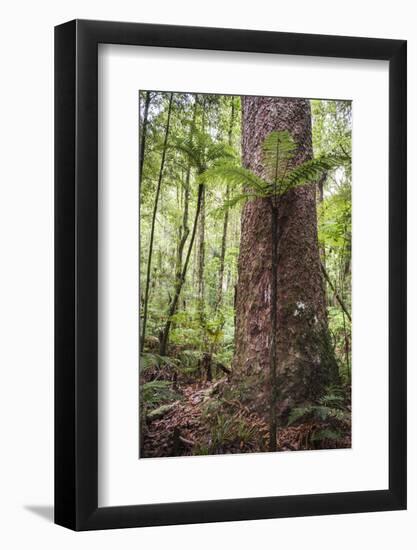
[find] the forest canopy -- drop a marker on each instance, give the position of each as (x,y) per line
(245,273)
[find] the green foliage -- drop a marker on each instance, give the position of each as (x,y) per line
(332,122)
(335,215)
(278,152)
(156,392)
(332,133)
(326,433)
(204,148)
(332,405)
(190,361)
(222,414)
(311,170)
(330,415)
(227,430)
(236,176)
(152,360)
(278,148)
(340,327)
(186,327)
(202,151)
(214,330)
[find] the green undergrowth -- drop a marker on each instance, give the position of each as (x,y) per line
(330,415)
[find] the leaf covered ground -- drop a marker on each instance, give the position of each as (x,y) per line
(206,419)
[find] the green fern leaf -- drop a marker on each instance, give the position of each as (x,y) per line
(278,150)
(311,171)
(236,177)
(298,413)
(326,433)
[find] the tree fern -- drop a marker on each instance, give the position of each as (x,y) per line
(202,151)
(278,150)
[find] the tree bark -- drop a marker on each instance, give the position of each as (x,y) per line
(304,362)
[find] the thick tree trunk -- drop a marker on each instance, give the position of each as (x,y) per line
(304,358)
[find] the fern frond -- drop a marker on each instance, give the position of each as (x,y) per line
(191,150)
(219,151)
(281,141)
(278,149)
(157,391)
(202,151)
(241,197)
(236,176)
(326,433)
(298,413)
(311,171)
(152,360)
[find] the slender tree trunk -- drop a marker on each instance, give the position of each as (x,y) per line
(155,209)
(202,241)
(223,253)
(143,133)
(226,217)
(336,294)
(294,287)
(180,282)
(320,187)
(346,338)
(185,231)
(201,258)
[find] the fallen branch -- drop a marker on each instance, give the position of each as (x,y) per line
(187,442)
(177,439)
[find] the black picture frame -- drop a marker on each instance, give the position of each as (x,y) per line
(76,272)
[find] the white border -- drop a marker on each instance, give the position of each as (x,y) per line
(123,479)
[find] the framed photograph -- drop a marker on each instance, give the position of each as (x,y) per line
(230,284)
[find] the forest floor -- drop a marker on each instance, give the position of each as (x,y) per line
(204,421)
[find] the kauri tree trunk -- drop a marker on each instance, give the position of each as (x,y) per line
(305,361)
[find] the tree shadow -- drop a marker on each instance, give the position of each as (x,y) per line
(45,512)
